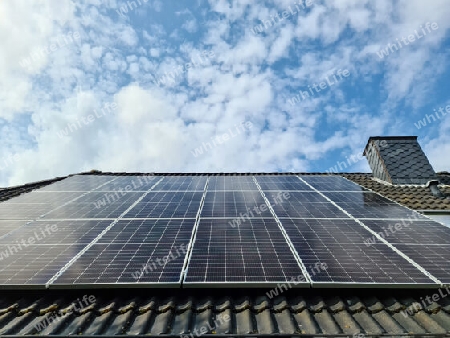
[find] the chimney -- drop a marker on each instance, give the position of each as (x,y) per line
(398,160)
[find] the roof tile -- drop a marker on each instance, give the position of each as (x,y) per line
(417,197)
(294,313)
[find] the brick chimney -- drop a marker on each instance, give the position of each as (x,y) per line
(398,160)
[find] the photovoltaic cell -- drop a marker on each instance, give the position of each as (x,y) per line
(255,251)
(340,245)
(78,183)
(56,232)
(129,183)
(231,183)
(149,231)
(363,205)
(167,205)
(88,210)
(164,210)
(24,211)
(234,204)
(181,183)
(10,225)
(33,265)
(101,199)
(331,183)
(295,197)
(305,204)
(411,232)
(172,197)
(96,205)
(281,183)
(34,204)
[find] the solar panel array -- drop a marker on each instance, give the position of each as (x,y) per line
(217,230)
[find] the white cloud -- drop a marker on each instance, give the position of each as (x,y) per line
(156,128)
(190,26)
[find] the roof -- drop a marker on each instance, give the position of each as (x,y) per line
(249,313)
(314,312)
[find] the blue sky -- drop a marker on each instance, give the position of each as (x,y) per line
(209,85)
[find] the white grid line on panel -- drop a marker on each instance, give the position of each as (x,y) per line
(288,241)
(188,256)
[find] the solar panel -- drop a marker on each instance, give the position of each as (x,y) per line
(231,183)
(10,225)
(33,255)
(129,183)
(103,198)
(277,197)
(281,183)
(364,205)
(426,242)
(79,183)
(56,232)
(411,232)
(340,244)
(96,205)
(434,258)
(164,210)
(167,205)
(234,204)
(182,183)
(254,252)
(138,264)
(331,183)
(24,211)
(88,210)
(301,207)
(36,204)
(149,231)
(134,251)
(172,197)
(33,265)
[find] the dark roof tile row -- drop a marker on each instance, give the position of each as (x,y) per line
(300,312)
